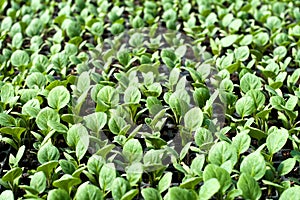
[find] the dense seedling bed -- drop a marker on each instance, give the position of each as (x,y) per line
(173,100)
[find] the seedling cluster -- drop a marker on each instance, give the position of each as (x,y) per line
(154,100)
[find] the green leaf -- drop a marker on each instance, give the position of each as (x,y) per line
(291,103)
(249,187)
(38,182)
(184,150)
(209,188)
(228,40)
(73,29)
(7,195)
(97,28)
(107,176)
(197,164)
(58,97)
(133,151)
(273,23)
(17,40)
(66,182)
(241,142)
(227,19)
(117,28)
(250,81)
(242,53)
(176,193)
(255,165)
(261,39)
(151,194)
(95,121)
(71,118)
(200,74)
(7,120)
(29,189)
(3,4)
(6,23)
(193,119)
(233,194)
(119,188)
(14,161)
(95,164)
(15,132)
(168,57)
(222,152)
(12,174)
(165,182)
(179,103)
(277,102)
(203,136)
(271,71)
(108,95)
(174,76)
(78,171)
(168,53)
(47,153)
(116,124)
(134,173)
(58,127)
(35,27)
(276,140)
(58,194)
(154,89)
(48,167)
(247,39)
(67,166)
(153,158)
(290,193)
(71,49)
(258,98)
(286,166)
(245,106)
(137,22)
(78,137)
(132,95)
(19,58)
(180,51)
(44,116)
(269,183)
(7,92)
(88,192)
(190,183)
(280,52)
(130,194)
(154,105)
(105,150)
(226,85)
(83,82)
(181,85)
(201,95)
(124,57)
(214,171)
(36,79)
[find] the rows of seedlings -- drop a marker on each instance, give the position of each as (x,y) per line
(173,100)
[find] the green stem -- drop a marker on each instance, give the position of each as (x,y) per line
(271,158)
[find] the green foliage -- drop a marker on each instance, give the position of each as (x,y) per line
(254,165)
(149,99)
(47,152)
(249,187)
(58,97)
(87,191)
(19,58)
